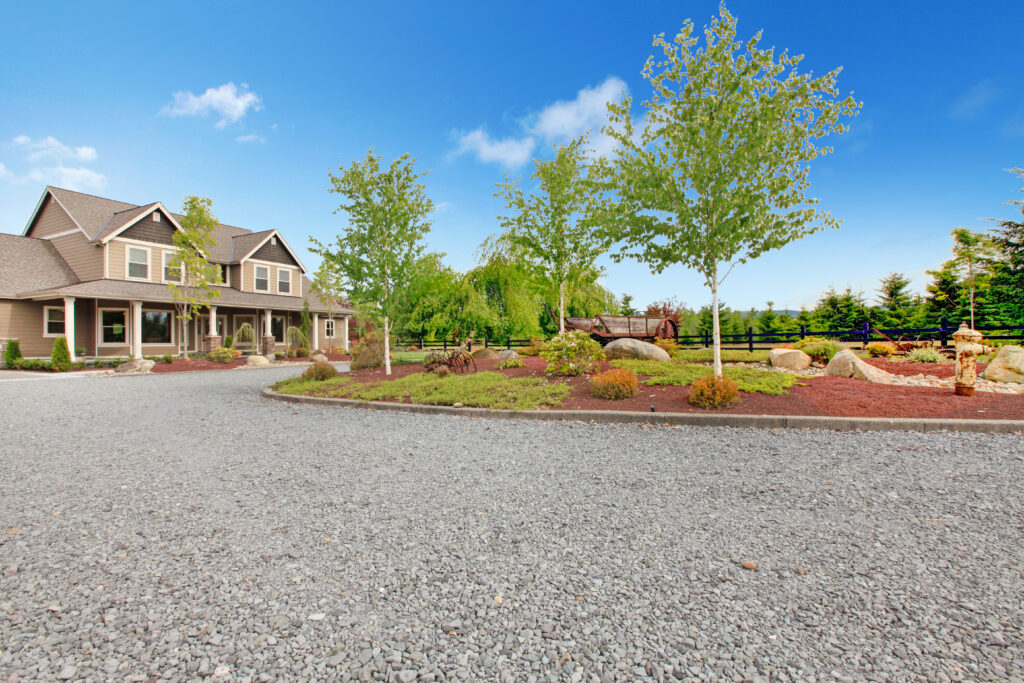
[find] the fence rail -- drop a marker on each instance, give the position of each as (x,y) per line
(752,341)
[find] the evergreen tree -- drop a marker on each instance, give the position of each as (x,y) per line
(944,295)
(1007,284)
(626,306)
(897,305)
(768,321)
(840,311)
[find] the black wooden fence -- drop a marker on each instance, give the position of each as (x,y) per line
(752,341)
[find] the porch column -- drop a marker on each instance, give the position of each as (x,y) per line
(344,331)
(268,338)
(266,323)
(213,336)
(316,332)
(69,324)
(136,329)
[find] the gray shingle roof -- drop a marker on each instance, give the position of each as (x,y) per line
(121,219)
(89,211)
(28,264)
(246,243)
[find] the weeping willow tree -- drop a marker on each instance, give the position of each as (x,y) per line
(245,335)
(295,338)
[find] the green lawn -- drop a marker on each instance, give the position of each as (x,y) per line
(728,356)
(751,380)
(478,390)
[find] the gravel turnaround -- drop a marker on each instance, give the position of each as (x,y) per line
(182,527)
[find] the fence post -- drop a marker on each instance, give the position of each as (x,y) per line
(421,343)
(469,345)
(445,343)
(750,339)
(803,331)
(485,341)
(867,334)
(706,340)
(508,342)
(943,324)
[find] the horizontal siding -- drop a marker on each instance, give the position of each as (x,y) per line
(249,279)
(23,320)
(51,220)
(116,250)
(86,260)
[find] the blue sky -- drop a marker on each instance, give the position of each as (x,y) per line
(253,103)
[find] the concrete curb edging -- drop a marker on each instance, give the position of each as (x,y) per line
(845,424)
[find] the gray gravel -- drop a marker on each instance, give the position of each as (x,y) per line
(182,527)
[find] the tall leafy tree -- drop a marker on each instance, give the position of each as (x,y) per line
(329,284)
(553,228)
(1007,285)
(388,210)
(511,294)
(718,173)
(973,256)
(193,278)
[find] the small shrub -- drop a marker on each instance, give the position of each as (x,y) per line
(318,372)
(12,354)
(279,354)
(510,363)
(167,358)
(301,352)
(80,365)
(614,384)
(33,364)
(669,345)
(441,371)
(412,347)
(369,351)
(221,355)
(878,349)
(925,355)
(572,353)
(822,351)
(534,349)
(80,351)
(808,341)
(713,392)
(229,342)
(60,357)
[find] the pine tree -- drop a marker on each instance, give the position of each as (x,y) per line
(768,321)
(896,302)
(1007,285)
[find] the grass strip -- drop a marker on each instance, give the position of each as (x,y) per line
(750,380)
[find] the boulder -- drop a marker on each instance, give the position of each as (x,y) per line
(507,354)
(256,361)
(789,359)
(636,349)
(846,364)
(138,366)
(1008,365)
(318,358)
(485,354)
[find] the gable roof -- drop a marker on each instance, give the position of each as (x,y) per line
(28,264)
(102,219)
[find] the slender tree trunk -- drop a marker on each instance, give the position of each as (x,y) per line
(184,335)
(387,347)
(561,307)
(716,330)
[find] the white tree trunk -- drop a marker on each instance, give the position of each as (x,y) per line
(387,347)
(184,335)
(561,307)
(716,330)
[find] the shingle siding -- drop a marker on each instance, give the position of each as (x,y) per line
(274,253)
(148,230)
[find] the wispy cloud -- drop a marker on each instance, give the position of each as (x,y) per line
(510,152)
(251,137)
(46,158)
(977,98)
(229,101)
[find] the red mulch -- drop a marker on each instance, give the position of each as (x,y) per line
(940,370)
(835,396)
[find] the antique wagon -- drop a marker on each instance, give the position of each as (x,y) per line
(606,328)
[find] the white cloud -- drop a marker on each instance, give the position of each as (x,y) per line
(251,137)
(510,152)
(975,100)
(52,148)
(46,157)
(227,100)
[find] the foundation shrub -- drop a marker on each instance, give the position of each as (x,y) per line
(669,345)
(301,352)
(12,354)
(229,342)
(713,392)
(318,372)
(614,384)
(221,354)
(822,351)
(572,353)
(510,363)
(925,355)
(880,349)
(369,351)
(534,349)
(60,357)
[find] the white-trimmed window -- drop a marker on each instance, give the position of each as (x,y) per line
(53,321)
(329,328)
(284,281)
(136,263)
(171,273)
(113,324)
(277,328)
(223,274)
(157,327)
(261,281)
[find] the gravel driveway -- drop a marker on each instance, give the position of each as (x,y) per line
(181,526)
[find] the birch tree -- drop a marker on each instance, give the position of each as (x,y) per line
(388,212)
(973,255)
(193,278)
(717,173)
(553,230)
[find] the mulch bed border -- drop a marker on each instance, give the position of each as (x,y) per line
(845,424)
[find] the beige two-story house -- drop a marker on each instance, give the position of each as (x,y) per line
(95,271)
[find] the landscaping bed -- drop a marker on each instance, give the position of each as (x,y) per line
(822,396)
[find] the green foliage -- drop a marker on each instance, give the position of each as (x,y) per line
(572,353)
(245,335)
(318,372)
(295,338)
(196,277)
(1007,281)
(229,341)
(927,354)
(535,347)
(167,358)
(12,353)
(750,380)
(880,349)
(221,355)
(301,352)
(838,311)
(614,384)
(60,356)
(898,307)
(510,363)
(820,350)
(368,352)
(711,393)
(439,303)
(305,323)
(768,322)
(728,356)
(626,305)
(32,364)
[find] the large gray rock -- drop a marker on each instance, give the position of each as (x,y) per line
(846,364)
(1008,365)
(318,358)
(789,359)
(636,349)
(138,366)
(507,354)
(255,361)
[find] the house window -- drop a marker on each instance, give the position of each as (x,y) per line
(138,263)
(277,328)
(113,326)
(156,327)
(262,279)
(156,216)
(284,281)
(172,273)
(329,329)
(53,321)
(222,273)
